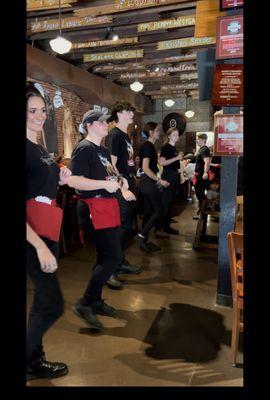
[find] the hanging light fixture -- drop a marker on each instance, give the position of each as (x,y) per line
(136,86)
(169,102)
(188,113)
(60,44)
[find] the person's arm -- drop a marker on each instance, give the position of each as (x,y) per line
(206,167)
(114,162)
(48,262)
(151,174)
(82,183)
(164,162)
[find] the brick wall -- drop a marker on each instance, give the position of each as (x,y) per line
(76,105)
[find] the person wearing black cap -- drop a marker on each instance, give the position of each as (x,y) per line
(120,147)
(96,182)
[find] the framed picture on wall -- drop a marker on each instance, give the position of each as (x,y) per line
(230,4)
(228,140)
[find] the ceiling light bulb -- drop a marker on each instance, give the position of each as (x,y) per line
(156,69)
(60,45)
(169,102)
(189,114)
(136,86)
(115,37)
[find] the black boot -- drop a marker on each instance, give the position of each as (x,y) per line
(127,268)
(43,369)
(114,283)
(87,314)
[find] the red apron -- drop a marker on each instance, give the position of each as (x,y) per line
(105,212)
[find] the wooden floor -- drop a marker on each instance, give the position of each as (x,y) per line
(168,332)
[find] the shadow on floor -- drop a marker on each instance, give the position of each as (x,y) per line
(184,342)
(183,331)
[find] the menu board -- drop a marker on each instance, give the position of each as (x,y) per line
(229,4)
(230,37)
(228,131)
(228,85)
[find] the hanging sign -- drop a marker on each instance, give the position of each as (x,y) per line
(141,75)
(230,37)
(230,4)
(228,85)
(166,95)
(57,100)
(131,4)
(187,20)
(114,55)
(185,42)
(100,43)
(34,5)
(183,86)
(228,139)
(68,23)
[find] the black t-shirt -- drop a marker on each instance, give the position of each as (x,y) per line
(42,172)
(93,162)
(168,151)
(147,150)
(120,146)
(201,155)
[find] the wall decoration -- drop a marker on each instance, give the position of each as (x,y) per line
(230,37)
(230,4)
(68,128)
(57,100)
(228,135)
(228,85)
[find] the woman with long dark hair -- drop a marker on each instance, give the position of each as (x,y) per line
(42,234)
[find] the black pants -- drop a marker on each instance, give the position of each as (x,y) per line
(152,200)
(168,194)
(48,304)
(200,187)
(109,255)
(127,212)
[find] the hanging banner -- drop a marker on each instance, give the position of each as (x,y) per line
(228,85)
(68,23)
(185,42)
(230,4)
(101,43)
(230,37)
(229,134)
(114,55)
(187,20)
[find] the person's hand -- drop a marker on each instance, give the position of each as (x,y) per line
(64,174)
(124,183)
(47,260)
(112,186)
(205,176)
(164,183)
(128,195)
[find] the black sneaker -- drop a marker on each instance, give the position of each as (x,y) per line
(114,283)
(143,244)
(152,246)
(127,268)
(46,370)
(102,308)
(161,234)
(88,315)
(171,231)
